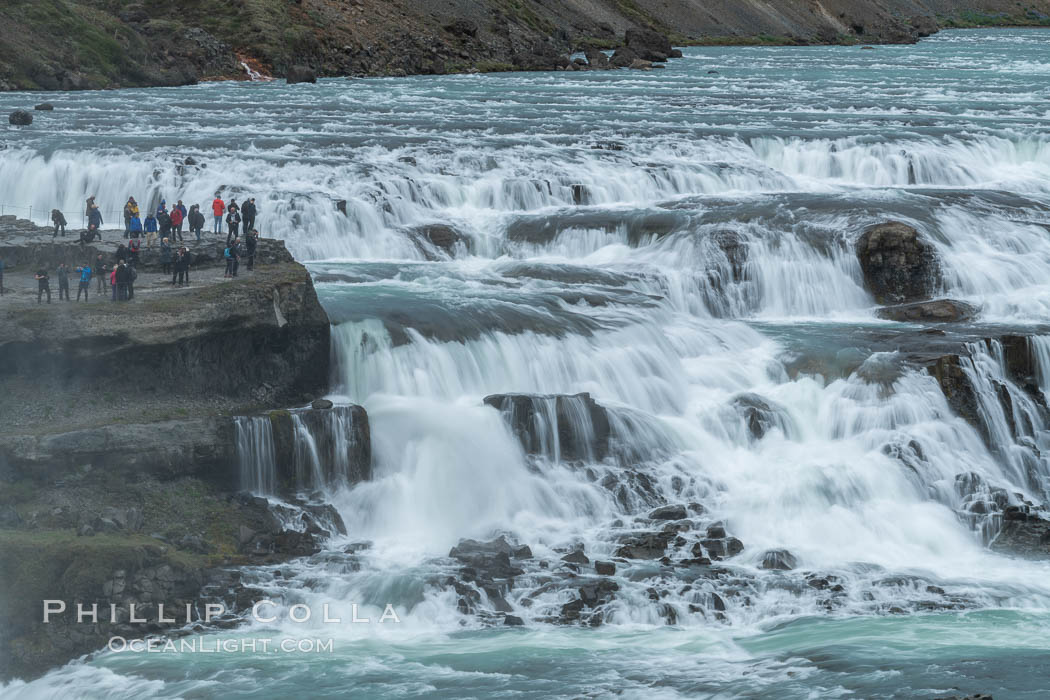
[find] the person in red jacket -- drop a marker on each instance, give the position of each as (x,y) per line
(176,223)
(218,208)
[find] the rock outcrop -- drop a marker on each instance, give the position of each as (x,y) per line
(647,44)
(936,311)
(899,266)
(300,74)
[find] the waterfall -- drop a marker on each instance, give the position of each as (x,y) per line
(303,450)
(257,462)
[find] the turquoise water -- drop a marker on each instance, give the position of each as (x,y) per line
(589,209)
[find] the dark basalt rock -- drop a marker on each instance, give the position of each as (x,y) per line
(647,545)
(623,57)
(732,244)
(957,388)
(760,415)
(647,44)
(674,512)
(581,424)
(576,557)
(604,568)
(44,107)
(321,404)
(778,560)
(20,117)
(898,265)
(597,60)
(935,311)
(438,240)
(300,74)
(542,56)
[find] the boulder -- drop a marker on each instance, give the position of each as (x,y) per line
(733,246)
(321,404)
(597,60)
(604,568)
(300,74)
(439,236)
(675,512)
(648,44)
(44,107)
(622,57)
(778,560)
(542,56)
(576,557)
(646,545)
(513,621)
(899,266)
(641,64)
(935,311)
(20,117)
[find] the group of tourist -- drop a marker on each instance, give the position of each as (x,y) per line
(162,223)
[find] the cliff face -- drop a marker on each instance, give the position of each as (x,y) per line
(79,44)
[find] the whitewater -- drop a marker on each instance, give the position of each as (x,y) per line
(678,245)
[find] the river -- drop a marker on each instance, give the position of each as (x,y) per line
(591,212)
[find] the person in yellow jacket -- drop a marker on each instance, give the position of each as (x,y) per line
(131,209)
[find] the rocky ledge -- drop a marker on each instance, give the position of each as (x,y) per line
(120,478)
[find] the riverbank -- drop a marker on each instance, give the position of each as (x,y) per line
(166,44)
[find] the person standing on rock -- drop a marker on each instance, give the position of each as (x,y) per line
(248,214)
(133,251)
(196,220)
(250,244)
(131,211)
(218,207)
(151,231)
(113,281)
(85,282)
(134,227)
(233,220)
(176,224)
(63,282)
(232,260)
(100,274)
(133,275)
(180,268)
(164,221)
(59,221)
(123,279)
(165,256)
(43,283)
(89,207)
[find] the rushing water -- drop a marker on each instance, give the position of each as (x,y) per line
(593,209)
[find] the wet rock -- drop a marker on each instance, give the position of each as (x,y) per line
(604,568)
(648,44)
(44,107)
(622,57)
(488,560)
(321,404)
(442,237)
(936,311)
(674,512)
(300,74)
(733,246)
(340,206)
(582,425)
(641,64)
(598,593)
(958,389)
(760,415)
(577,557)
(597,60)
(899,266)
(513,621)
(646,545)
(778,560)
(542,56)
(20,117)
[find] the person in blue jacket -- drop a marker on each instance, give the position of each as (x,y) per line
(95,219)
(151,231)
(85,282)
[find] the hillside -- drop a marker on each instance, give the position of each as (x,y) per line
(83,44)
